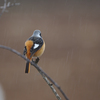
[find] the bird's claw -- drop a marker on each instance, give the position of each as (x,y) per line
(37,60)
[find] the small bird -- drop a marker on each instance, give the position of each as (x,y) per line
(34,47)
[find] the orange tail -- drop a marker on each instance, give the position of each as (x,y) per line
(27,70)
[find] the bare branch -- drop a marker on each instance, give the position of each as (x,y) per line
(51,86)
(39,69)
(3,8)
(7,5)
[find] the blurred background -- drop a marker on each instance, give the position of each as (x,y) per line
(71,30)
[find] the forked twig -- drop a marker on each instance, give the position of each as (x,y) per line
(7,5)
(44,75)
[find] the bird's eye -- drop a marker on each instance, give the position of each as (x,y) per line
(40,34)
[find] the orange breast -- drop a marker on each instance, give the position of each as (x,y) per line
(28,45)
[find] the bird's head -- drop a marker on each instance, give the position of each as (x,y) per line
(37,33)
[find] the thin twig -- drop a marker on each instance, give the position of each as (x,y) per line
(51,85)
(3,8)
(7,5)
(37,67)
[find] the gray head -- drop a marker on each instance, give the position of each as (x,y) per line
(37,33)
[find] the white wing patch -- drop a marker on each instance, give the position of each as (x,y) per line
(36,46)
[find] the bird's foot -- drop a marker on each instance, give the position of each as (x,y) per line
(37,60)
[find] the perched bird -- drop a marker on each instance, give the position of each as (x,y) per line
(34,47)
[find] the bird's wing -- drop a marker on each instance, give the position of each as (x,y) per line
(25,51)
(38,42)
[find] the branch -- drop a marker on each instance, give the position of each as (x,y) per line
(7,5)
(2,11)
(44,75)
(52,88)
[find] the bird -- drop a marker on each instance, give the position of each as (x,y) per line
(34,47)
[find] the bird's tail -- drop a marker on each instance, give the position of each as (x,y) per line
(27,70)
